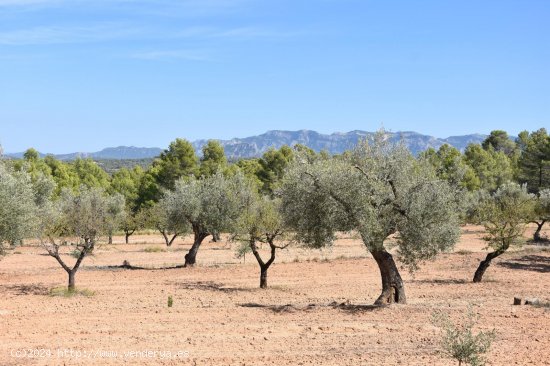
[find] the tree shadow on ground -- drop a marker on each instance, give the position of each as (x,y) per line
(443,281)
(289,308)
(126,265)
(211,286)
(535,263)
(22,290)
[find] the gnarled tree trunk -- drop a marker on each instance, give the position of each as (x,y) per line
(478,276)
(393,290)
(198,236)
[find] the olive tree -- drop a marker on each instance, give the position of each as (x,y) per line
(167,219)
(116,214)
(260,223)
(127,182)
(504,215)
(541,212)
(378,190)
(209,205)
(133,221)
(76,220)
(17,207)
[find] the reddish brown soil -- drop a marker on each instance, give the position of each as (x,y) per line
(221,317)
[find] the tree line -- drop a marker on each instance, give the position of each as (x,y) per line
(289,196)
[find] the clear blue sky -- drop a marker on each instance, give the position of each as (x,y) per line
(80,75)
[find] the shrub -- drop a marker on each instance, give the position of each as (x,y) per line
(459,341)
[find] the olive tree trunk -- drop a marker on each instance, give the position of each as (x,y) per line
(264,266)
(127,234)
(72,274)
(167,239)
(263,276)
(478,276)
(393,290)
(198,236)
(536,236)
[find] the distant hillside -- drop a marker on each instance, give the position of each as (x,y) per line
(110,153)
(255,146)
(334,143)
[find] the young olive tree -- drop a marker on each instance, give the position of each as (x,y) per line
(504,215)
(209,205)
(116,214)
(460,342)
(164,217)
(262,223)
(76,220)
(541,212)
(378,190)
(17,207)
(133,221)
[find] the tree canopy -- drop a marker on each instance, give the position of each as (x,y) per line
(378,190)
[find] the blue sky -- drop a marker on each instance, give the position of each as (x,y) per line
(80,75)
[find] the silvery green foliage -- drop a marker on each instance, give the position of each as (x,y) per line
(85,214)
(471,203)
(460,342)
(260,220)
(43,188)
(378,190)
(116,212)
(169,217)
(431,224)
(209,204)
(542,208)
(504,215)
(17,207)
(80,218)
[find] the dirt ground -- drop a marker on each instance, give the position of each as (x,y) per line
(220,316)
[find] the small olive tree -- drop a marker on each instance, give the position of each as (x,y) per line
(75,220)
(116,214)
(17,207)
(460,342)
(133,221)
(164,216)
(504,215)
(260,223)
(378,190)
(541,212)
(209,205)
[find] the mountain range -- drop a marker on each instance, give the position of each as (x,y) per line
(255,146)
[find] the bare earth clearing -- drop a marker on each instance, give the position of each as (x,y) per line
(314,313)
